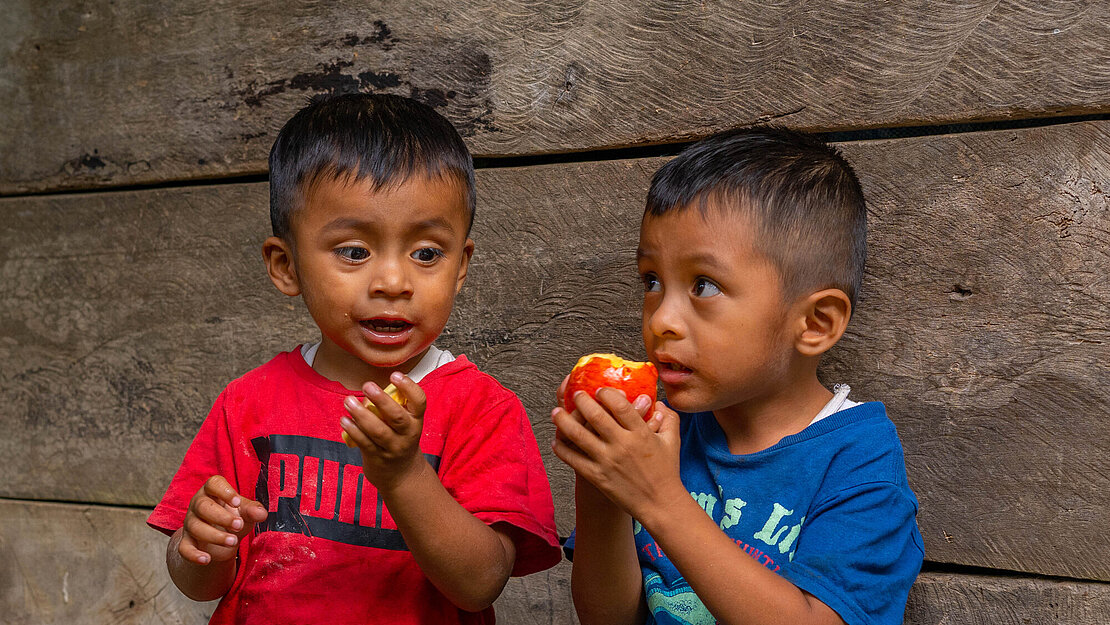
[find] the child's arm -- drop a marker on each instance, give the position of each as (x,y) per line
(467,560)
(606,584)
(201,553)
(638,471)
(605,578)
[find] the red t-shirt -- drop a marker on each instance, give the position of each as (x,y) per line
(329,552)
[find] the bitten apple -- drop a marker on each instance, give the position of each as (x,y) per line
(389,390)
(595,371)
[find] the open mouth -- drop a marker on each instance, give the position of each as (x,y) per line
(386,326)
(672,373)
(673,366)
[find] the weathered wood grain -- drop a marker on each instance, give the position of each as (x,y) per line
(77,565)
(89,565)
(109,92)
(982,326)
(949,599)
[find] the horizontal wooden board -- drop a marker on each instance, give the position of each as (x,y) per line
(982,326)
(89,565)
(109,92)
(950,599)
(75,565)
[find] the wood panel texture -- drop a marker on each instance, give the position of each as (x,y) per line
(78,565)
(110,92)
(982,326)
(950,599)
(69,565)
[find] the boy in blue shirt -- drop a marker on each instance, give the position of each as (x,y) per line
(766,498)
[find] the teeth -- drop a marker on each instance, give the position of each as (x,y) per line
(388,326)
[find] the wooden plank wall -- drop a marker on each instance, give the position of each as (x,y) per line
(132,289)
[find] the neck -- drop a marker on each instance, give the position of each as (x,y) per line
(761,422)
(335,363)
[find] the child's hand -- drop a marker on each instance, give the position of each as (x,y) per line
(559,394)
(390,444)
(632,462)
(217,519)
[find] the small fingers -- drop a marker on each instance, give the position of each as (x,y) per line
(218,487)
(668,422)
(190,551)
(397,415)
(598,416)
(215,504)
(573,457)
(573,432)
(253,511)
(362,426)
(415,399)
(559,394)
(629,415)
(206,532)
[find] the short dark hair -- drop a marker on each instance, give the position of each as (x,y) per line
(802,196)
(378,137)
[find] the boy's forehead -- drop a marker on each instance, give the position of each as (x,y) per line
(701,218)
(431,197)
(705,236)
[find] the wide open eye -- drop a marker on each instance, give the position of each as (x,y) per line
(428,255)
(651,282)
(704,287)
(353,253)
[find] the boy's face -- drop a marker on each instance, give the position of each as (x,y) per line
(714,318)
(379,271)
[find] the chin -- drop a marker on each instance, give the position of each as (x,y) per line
(683,402)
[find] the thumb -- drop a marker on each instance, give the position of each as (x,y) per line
(668,422)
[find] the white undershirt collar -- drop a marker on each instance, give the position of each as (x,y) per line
(839,402)
(432,360)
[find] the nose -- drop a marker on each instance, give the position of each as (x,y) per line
(390,279)
(664,317)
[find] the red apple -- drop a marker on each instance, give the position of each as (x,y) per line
(600,370)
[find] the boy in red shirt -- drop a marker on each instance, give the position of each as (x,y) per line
(443,495)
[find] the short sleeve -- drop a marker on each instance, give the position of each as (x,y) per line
(208,455)
(491,465)
(860,552)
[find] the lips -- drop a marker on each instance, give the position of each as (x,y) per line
(386,326)
(671,372)
(387,329)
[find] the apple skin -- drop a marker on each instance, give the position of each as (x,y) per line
(389,390)
(596,371)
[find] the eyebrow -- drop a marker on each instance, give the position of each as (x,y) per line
(435,223)
(706,260)
(349,223)
(343,223)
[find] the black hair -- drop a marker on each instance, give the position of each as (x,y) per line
(378,137)
(801,195)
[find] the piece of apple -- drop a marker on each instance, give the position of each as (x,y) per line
(596,371)
(389,390)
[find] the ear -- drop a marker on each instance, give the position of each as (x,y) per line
(822,318)
(468,251)
(278,255)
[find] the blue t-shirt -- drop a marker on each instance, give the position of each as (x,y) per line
(829,509)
